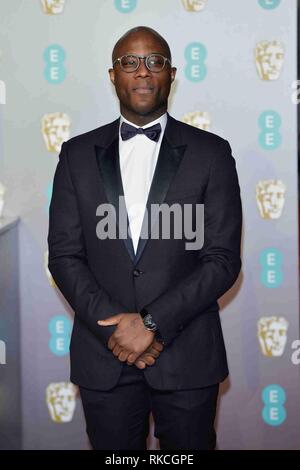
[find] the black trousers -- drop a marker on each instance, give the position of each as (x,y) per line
(118,419)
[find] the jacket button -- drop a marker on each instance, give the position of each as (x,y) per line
(137,272)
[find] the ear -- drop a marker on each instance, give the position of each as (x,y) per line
(173,73)
(112,75)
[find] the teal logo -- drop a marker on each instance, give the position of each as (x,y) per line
(273,397)
(271,262)
(125,6)
(195,55)
(269,4)
(269,122)
(54,57)
(60,331)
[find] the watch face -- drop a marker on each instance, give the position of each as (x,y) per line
(149,324)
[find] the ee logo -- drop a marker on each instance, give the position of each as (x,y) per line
(269,123)
(271,261)
(55,71)
(60,330)
(125,6)
(269,4)
(273,397)
(195,54)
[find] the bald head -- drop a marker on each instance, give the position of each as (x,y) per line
(138,31)
(142,92)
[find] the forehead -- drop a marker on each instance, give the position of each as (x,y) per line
(276,325)
(274,49)
(272,188)
(140,43)
(57,121)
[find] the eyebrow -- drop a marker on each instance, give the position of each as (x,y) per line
(149,53)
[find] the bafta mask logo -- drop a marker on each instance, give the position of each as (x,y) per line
(56,130)
(61,401)
(199,119)
(272,335)
(53,7)
(269,56)
(270,197)
(194,5)
(48,274)
(2,193)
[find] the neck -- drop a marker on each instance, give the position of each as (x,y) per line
(142,119)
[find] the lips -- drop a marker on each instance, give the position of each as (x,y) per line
(143,90)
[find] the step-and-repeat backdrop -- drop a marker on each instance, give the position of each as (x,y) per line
(236,70)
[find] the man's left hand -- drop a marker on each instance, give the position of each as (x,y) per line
(131,338)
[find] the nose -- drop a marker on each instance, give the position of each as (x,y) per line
(274,200)
(142,70)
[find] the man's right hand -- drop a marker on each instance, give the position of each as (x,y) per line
(148,357)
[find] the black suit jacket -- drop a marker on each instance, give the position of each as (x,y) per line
(179,287)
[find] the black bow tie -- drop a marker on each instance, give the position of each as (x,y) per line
(128,131)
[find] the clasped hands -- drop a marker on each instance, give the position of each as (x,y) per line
(131,341)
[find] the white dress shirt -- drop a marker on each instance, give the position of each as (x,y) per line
(138,158)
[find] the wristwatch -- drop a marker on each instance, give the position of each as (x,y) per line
(148,321)
(150,324)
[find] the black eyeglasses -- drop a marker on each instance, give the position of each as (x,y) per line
(131,62)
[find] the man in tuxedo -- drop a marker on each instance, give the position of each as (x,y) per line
(147,334)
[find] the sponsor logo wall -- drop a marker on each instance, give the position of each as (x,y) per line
(236,65)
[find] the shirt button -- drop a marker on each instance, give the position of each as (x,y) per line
(137,272)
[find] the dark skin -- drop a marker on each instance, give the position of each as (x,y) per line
(134,106)
(143,97)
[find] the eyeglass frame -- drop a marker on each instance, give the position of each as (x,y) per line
(139,63)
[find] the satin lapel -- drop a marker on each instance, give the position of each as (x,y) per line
(109,167)
(168,161)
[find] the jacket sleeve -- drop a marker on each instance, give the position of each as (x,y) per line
(219,260)
(67,256)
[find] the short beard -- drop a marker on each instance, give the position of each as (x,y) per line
(152,111)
